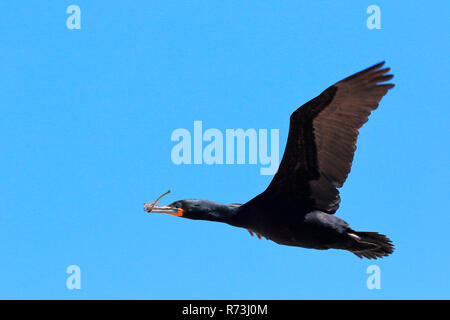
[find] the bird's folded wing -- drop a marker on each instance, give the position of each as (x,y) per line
(322,139)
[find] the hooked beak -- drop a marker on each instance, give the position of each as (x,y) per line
(178,212)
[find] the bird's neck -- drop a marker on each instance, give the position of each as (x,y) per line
(221,213)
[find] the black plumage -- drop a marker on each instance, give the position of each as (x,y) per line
(298,206)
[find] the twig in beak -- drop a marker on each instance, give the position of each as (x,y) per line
(148,206)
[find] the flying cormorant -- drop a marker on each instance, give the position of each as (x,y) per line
(297,209)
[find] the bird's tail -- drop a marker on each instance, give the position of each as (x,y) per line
(370,245)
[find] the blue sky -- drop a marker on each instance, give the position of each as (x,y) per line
(85,129)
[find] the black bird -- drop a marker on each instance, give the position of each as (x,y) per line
(298,206)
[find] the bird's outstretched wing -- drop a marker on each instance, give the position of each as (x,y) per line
(322,139)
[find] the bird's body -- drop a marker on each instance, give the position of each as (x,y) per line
(291,224)
(297,209)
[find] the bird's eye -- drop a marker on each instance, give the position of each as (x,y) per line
(178,205)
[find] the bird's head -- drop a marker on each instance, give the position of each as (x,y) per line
(197,209)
